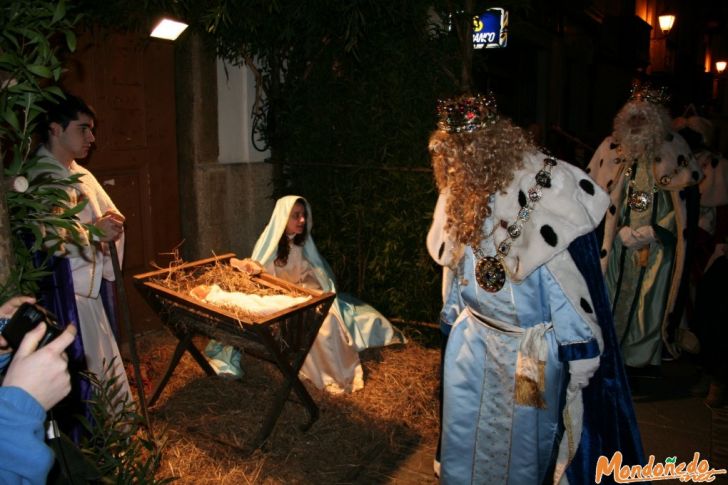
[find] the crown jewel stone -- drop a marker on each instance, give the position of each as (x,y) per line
(466,114)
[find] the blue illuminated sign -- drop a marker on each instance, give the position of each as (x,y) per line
(490,29)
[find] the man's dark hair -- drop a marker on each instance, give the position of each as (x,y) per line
(63,112)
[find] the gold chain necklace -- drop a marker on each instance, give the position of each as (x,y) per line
(490,271)
(639,200)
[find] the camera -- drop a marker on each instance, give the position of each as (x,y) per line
(25,319)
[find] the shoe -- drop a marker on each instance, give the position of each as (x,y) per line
(716,395)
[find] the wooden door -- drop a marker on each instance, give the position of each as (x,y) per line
(128,79)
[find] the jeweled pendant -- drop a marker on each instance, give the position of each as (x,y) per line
(490,274)
(639,201)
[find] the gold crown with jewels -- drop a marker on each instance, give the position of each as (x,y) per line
(645,92)
(466,114)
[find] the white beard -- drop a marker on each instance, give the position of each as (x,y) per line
(639,145)
(646,142)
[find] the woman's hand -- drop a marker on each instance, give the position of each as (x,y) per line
(247,265)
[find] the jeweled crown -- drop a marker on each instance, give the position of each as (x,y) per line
(646,92)
(466,114)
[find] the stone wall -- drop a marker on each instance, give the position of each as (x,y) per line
(223,207)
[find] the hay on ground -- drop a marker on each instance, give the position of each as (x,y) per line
(362,437)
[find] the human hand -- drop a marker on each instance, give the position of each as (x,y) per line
(111,224)
(7,310)
(42,373)
(637,239)
(580,371)
(247,265)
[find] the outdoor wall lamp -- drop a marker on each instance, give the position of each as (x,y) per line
(168,29)
(666,23)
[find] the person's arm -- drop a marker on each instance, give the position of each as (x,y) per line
(25,456)
(578,338)
(36,380)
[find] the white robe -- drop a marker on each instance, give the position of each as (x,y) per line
(89,265)
(333,361)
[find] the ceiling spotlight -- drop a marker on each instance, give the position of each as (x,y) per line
(168,29)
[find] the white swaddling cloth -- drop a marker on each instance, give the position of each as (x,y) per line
(257,305)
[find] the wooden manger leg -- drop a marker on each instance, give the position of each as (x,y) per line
(185,343)
(178,351)
(290,380)
(201,360)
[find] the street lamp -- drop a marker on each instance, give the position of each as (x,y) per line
(666,23)
(720,66)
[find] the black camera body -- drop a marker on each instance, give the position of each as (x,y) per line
(25,319)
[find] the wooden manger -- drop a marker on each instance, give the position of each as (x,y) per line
(283,338)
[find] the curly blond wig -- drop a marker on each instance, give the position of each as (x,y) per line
(473,166)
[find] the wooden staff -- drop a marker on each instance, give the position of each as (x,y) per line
(126,317)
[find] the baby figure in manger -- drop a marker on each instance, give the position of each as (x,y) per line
(255,305)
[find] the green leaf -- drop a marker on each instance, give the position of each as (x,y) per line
(33,36)
(70,40)
(60,11)
(12,38)
(71,212)
(39,70)
(8,59)
(53,90)
(11,118)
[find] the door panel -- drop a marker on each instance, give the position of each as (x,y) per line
(129,81)
(123,188)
